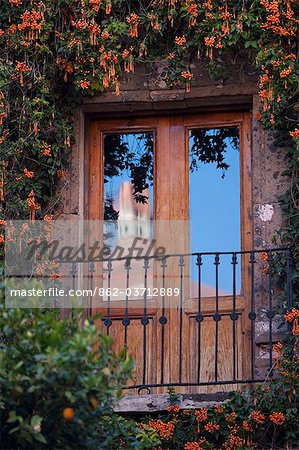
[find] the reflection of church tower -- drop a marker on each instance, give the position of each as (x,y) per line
(134,221)
(134,218)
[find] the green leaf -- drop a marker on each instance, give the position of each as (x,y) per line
(40,438)
(35,420)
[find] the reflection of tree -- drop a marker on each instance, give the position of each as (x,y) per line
(134,154)
(210,145)
(110,213)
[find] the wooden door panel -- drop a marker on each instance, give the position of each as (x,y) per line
(135,346)
(207,354)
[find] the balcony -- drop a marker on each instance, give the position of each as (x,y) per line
(183,332)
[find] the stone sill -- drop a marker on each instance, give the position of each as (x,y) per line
(159,402)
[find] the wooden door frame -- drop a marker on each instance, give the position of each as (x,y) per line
(93,191)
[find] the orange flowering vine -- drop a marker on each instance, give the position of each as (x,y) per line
(133,21)
(193,13)
(165,430)
(188,76)
(277,418)
(22,69)
(196,445)
(32,205)
(292,315)
(28,174)
(257,417)
(212,427)
(173,409)
(201,414)
(181,42)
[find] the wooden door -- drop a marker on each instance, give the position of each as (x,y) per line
(193,339)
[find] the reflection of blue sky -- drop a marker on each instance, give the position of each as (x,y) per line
(215,217)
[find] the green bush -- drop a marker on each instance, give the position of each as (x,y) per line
(58,385)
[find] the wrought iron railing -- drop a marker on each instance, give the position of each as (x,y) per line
(233,299)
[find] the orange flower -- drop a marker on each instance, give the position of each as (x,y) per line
(133,20)
(22,68)
(247,426)
(2,240)
(277,418)
(233,443)
(61,173)
(292,315)
(173,409)
(257,417)
(84,84)
(154,21)
(181,41)
(188,76)
(171,56)
(95,4)
(209,41)
(28,174)
(212,427)
(295,328)
(295,134)
(55,275)
(286,72)
(32,22)
(46,149)
(264,256)
(3,223)
(31,202)
(105,35)
(201,414)
(277,350)
(165,430)
(192,11)
(32,206)
(194,445)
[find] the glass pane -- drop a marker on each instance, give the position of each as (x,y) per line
(214,158)
(128,200)
(128,175)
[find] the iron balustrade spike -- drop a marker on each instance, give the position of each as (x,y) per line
(181,265)
(126,320)
(108,321)
(234,315)
(163,319)
(144,320)
(91,271)
(199,317)
(252,315)
(216,316)
(74,271)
